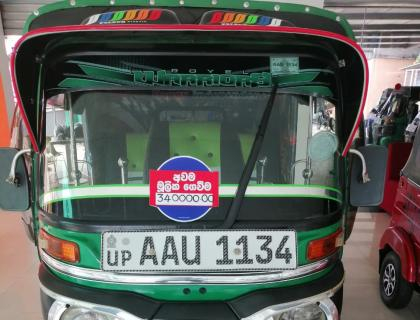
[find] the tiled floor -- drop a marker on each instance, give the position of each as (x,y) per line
(19,292)
(361,294)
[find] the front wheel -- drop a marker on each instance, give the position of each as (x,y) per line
(395,291)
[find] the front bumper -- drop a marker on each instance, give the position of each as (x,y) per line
(58,294)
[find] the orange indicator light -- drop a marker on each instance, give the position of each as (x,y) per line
(321,248)
(61,249)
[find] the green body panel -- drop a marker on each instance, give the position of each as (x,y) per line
(220,4)
(90,243)
(90,251)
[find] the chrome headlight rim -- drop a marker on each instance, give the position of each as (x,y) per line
(63,311)
(323,301)
(62,304)
(311,311)
(77,312)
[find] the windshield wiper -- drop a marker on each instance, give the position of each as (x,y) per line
(250,164)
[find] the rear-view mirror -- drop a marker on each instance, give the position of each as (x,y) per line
(370,193)
(14,195)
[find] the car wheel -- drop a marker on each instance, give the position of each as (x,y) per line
(395,291)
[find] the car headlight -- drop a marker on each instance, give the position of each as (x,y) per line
(79,313)
(309,312)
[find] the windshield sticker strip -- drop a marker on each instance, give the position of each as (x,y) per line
(225,191)
(141,16)
(223,18)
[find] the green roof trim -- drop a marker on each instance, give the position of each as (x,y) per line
(84,83)
(106,71)
(302,76)
(220,4)
(322,91)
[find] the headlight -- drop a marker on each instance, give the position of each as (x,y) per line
(309,312)
(78,313)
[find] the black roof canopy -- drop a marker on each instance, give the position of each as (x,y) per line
(38,50)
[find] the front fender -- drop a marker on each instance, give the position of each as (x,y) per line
(399,241)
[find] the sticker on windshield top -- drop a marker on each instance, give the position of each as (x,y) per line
(284,65)
(223,18)
(184,189)
(140,16)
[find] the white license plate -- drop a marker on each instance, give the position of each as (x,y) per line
(199,251)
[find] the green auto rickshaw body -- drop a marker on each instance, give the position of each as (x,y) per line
(264,98)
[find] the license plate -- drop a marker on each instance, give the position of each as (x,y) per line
(199,251)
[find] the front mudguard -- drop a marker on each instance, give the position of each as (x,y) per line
(397,240)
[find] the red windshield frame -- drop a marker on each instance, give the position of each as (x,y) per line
(187,27)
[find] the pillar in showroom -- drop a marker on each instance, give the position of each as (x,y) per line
(6,94)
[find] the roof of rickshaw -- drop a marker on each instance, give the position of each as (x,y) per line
(68,25)
(73,12)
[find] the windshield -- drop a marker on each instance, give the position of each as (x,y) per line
(103,146)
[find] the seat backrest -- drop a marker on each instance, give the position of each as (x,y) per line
(136,154)
(200,140)
(215,143)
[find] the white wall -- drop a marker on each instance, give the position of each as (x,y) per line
(5,74)
(383,74)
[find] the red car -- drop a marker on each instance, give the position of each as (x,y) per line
(400,244)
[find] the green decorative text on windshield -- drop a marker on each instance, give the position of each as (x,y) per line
(163,77)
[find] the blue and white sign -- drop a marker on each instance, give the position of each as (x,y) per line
(184,189)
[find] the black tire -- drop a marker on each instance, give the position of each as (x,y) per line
(395,291)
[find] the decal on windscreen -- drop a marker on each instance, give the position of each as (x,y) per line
(184,189)
(141,16)
(107,75)
(256,79)
(284,65)
(241,18)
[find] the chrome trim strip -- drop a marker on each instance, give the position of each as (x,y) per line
(330,309)
(141,191)
(57,309)
(62,303)
(149,278)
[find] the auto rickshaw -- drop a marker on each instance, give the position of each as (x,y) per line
(399,250)
(396,113)
(180,166)
(410,131)
(373,114)
(389,129)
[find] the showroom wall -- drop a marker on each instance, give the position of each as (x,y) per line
(384,73)
(6,96)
